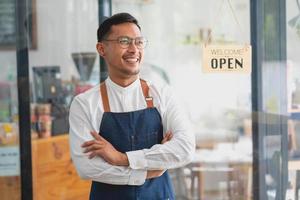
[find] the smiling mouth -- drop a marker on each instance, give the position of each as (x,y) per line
(131,60)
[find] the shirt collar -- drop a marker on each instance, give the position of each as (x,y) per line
(122,89)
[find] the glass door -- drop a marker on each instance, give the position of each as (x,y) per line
(63,64)
(218,105)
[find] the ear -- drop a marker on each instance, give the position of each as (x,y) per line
(100,48)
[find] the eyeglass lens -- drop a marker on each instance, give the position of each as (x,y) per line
(139,42)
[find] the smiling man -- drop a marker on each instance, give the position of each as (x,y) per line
(126,132)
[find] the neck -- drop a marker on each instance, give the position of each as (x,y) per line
(124,82)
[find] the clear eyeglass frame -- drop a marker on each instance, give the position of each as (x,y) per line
(125,41)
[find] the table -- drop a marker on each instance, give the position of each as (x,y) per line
(226,158)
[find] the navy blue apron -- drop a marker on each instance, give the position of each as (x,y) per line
(131,131)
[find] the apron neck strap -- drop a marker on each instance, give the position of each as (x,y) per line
(145,88)
(104,97)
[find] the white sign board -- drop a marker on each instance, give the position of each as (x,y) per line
(226,59)
(9,161)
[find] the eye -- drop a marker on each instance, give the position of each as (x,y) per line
(139,42)
(124,40)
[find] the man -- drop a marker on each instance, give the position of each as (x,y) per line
(125,133)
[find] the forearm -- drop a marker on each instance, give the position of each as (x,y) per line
(97,169)
(173,154)
(122,160)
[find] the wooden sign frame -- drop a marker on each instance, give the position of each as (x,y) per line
(227,59)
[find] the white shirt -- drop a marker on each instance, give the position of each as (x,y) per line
(86,113)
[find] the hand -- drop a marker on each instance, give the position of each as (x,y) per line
(157,173)
(168,136)
(102,148)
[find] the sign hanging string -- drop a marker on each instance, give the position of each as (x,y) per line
(215,20)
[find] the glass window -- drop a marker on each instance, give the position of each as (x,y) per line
(10,187)
(293,92)
(218,105)
(63,64)
(9,128)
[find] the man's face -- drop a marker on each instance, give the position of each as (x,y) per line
(122,62)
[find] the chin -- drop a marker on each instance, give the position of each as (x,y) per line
(136,72)
(133,69)
(131,72)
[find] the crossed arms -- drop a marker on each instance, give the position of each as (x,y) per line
(97,160)
(102,148)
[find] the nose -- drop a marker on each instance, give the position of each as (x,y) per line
(132,47)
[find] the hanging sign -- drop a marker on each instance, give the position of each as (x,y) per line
(9,161)
(226,59)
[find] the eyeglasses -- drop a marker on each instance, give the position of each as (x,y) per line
(124,42)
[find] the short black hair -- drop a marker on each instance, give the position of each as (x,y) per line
(118,18)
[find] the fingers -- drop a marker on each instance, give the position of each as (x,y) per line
(164,140)
(88,143)
(91,142)
(168,136)
(96,135)
(93,148)
(92,155)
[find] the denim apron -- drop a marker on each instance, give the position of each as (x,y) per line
(131,131)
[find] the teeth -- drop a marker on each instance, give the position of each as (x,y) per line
(131,59)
